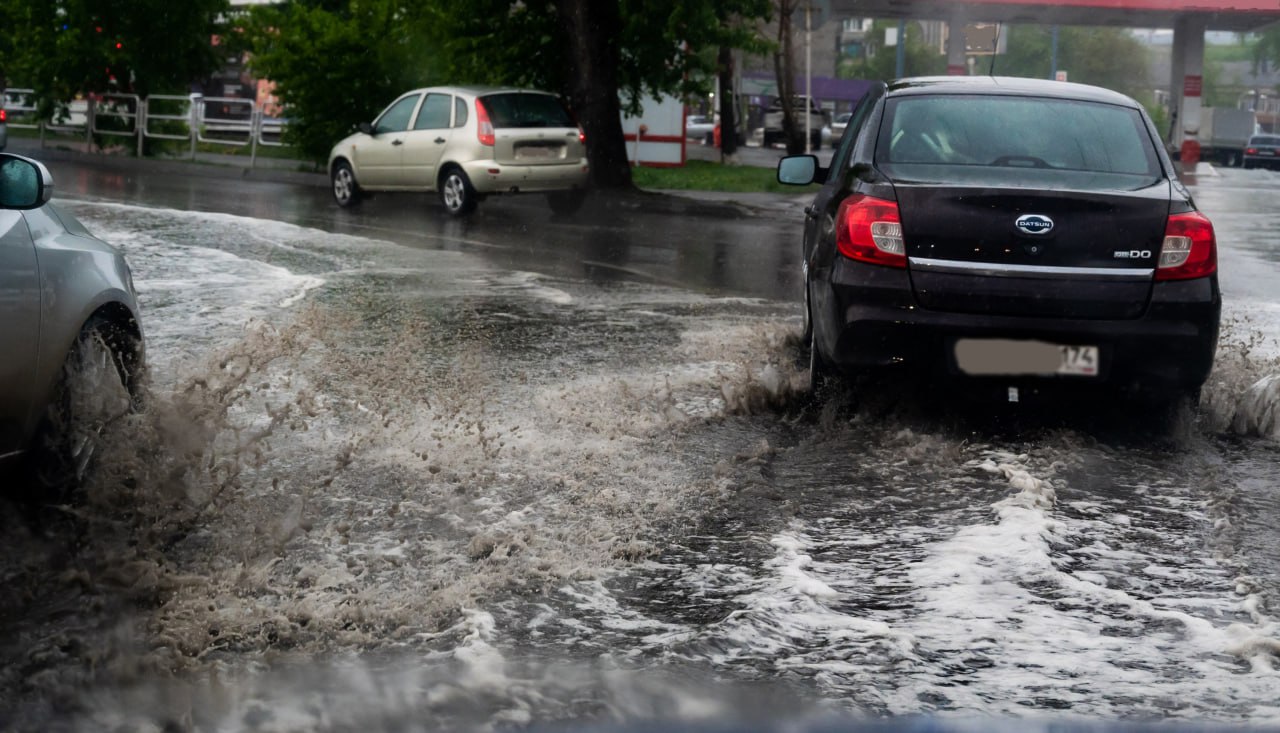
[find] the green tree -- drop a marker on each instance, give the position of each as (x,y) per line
(602,55)
(920,58)
(62,48)
(336,63)
(1105,57)
(1266,49)
(131,46)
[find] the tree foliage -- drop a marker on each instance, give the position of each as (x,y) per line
(337,62)
(1105,57)
(919,58)
(64,47)
(1266,49)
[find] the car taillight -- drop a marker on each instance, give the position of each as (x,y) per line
(4,116)
(1250,151)
(484,128)
(869,230)
(1190,249)
(582,136)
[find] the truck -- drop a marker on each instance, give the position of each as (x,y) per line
(1224,132)
(773,132)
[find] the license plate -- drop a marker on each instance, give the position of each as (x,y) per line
(538,152)
(996,357)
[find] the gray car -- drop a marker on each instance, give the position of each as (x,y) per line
(73,346)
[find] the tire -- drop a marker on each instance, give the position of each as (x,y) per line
(820,372)
(456,193)
(345,189)
(95,391)
(806,335)
(566,203)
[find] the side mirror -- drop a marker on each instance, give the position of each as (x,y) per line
(365,127)
(798,170)
(24,183)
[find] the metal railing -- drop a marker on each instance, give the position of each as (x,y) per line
(228,121)
(126,108)
(21,105)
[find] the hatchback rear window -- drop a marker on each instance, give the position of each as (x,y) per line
(513,109)
(992,139)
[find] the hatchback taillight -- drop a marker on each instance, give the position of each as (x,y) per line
(1189,250)
(484,128)
(869,230)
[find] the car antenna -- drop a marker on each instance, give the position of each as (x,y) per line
(995,46)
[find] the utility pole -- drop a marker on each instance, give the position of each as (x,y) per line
(808,71)
(900,54)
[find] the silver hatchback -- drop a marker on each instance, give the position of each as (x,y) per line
(73,349)
(466,143)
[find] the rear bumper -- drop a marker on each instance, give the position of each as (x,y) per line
(867,318)
(526,178)
(1258,161)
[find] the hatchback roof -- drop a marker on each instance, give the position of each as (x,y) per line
(479,90)
(1010,85)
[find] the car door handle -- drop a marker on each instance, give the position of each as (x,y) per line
(438,141)
(397,142)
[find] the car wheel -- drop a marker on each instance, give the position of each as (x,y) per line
(93,394)
(807,335)
(457,194)
(819,370)
(566,203)
(345,189)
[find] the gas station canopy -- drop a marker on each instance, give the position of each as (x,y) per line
(1224,15)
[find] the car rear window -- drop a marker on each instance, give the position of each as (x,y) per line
(992,139)
(515,109)
(1265,141)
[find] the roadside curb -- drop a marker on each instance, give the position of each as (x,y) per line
(710,204)
(24,146)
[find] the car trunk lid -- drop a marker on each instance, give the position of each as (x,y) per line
(532,129)
(1016,251)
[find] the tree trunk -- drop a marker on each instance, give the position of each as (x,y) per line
(728,106)
(784,69)
(592,29)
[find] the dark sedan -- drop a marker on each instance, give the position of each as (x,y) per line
(1262,151)
(1016,233)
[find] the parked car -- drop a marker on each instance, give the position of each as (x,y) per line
(700,127)
(466,143)
(1012,232)
(1262,151)
(818,123)
(838,125)
(73,347)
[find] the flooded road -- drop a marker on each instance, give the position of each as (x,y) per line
(401,472)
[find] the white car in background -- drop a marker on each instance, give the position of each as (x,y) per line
(466,143)
(838,125)
(700,127)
